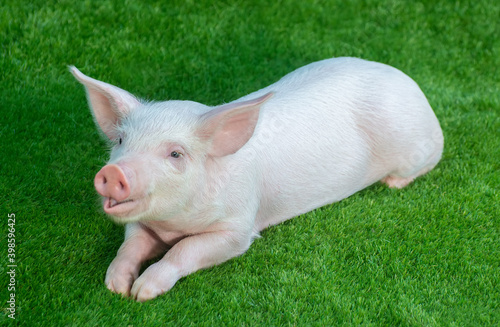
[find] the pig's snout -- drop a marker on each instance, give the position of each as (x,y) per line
(112,183)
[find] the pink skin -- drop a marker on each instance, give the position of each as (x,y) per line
(112,183)
(186,255)
(354,121)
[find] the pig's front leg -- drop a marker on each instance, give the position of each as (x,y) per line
(139,245)
(187,256)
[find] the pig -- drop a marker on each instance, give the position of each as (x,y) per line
(197,183)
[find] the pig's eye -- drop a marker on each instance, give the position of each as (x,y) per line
(120,141)
(175,154)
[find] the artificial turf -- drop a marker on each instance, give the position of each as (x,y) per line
(426,255)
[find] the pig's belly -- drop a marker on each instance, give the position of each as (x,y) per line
(292,199)
(324,171)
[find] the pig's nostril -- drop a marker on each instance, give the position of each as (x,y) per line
(111,182)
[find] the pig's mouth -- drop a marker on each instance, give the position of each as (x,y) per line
(119,209)
(114,203)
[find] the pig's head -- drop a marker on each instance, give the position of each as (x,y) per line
(160,150)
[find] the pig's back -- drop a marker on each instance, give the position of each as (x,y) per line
(331,129)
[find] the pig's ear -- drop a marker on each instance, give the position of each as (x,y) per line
(108,103)
(230,126)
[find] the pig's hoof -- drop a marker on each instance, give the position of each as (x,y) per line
(397,182)
(119,283)
(119,288)
(154,281)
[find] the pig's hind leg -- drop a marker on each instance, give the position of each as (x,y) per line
(414,159)
(394,181)
(401,179)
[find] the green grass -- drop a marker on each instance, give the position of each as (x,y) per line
(427,255)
